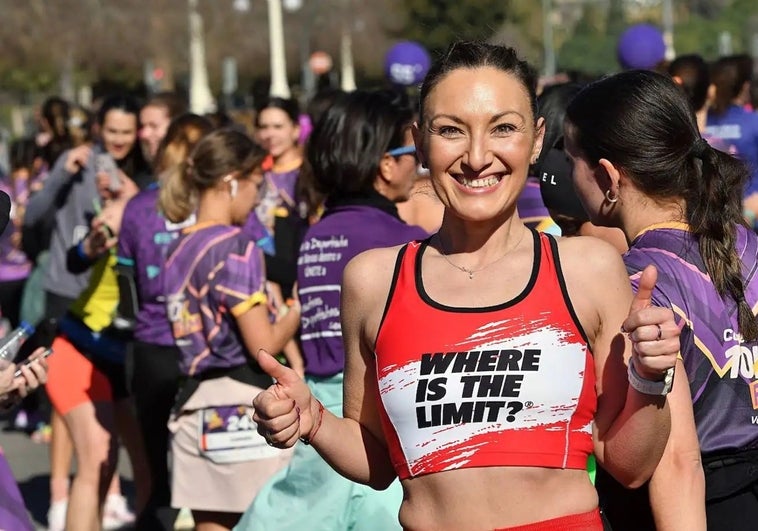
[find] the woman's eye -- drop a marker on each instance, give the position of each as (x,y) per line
(448,130)
(503,129)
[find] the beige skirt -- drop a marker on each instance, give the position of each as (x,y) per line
(219,462)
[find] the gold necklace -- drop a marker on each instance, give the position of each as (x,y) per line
(470,272)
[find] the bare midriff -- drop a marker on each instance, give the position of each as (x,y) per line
(479,499)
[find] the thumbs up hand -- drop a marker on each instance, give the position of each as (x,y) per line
(652,330)
(283,412)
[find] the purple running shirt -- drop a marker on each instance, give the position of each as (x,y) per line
(342,233)
(720,367)
(143,243)
(214,274)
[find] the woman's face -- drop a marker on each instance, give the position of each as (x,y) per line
(403,169)
(247,195)
(119,133)
(276,131)
(478,138)
(155,121)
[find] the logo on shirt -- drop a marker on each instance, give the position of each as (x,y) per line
(183,322)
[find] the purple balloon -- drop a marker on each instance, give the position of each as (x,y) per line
(406,63)
(641,46)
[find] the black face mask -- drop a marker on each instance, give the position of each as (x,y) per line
(5,211)
(556,185)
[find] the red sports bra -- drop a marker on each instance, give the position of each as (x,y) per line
(506,385)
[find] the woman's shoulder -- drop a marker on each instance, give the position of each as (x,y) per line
(373,266)
(590,262)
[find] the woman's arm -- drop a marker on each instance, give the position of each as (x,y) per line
(354,445)
(631,428)
(67,165)
(260,333)
(677,488)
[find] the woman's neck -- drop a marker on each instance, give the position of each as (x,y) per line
(489,237)
(702,118)
(646,212)
(289,158)
(214,207)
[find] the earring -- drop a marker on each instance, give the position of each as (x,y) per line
(609,198)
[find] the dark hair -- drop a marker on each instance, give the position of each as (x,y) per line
(729,74)
(552,103)
(642,122)
(172,102)
(289,106)
(351,137)
(475,54)
(122,102)
(321,102)
(22,153)
(56,113)
(692,70)
(133,164)
(216,155)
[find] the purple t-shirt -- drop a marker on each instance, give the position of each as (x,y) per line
(342,233)
(214,274)
(143,243)
(737,129)
(721,369)
(14,265)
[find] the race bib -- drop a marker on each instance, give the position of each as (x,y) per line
(227,434)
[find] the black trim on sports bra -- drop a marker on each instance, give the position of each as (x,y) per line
(393,285)
(564,290)
(521,296)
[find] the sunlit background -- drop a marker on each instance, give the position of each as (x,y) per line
(225,53)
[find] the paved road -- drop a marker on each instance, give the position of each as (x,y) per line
(30,465)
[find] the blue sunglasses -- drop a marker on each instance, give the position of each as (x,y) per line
(404,150)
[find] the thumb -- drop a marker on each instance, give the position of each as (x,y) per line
(281,373)
(644,296)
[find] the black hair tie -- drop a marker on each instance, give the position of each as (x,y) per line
(699,148)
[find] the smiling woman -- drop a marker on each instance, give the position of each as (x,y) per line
(466,385)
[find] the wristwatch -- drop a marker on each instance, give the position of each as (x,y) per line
(651,387)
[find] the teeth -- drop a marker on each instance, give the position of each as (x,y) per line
(479,183)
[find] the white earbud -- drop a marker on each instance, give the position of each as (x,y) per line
(233,186)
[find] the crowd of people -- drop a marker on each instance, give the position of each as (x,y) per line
(502,309)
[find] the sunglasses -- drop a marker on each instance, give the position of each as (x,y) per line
(403,150)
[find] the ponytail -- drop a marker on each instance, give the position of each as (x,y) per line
(714,209)
(177,197)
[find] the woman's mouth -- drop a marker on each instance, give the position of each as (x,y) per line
(479,182)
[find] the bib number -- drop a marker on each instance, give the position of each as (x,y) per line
(227,434)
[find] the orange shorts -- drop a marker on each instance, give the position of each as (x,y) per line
(73,380)
(589,521)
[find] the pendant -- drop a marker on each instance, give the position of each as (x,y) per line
(471,275)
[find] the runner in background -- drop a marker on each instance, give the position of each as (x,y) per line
(363,160)
(155,116)
(214,283)
(153,356)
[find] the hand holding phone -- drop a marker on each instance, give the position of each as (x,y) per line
(104,163)
(29,361)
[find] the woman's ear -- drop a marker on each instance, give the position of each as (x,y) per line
(609,177)
(539,137)
(418,139)
(386,167)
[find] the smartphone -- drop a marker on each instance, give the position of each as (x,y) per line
(29,361)
(104,163)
